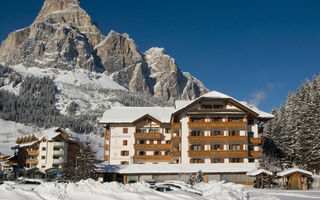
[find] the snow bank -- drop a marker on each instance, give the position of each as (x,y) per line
(221,190)
(90,189)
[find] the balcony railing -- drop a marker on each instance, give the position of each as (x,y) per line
(217,139)
(148,135)
(58,161)
(58,153)
(107,136)
(152,146)
(32,161)
(33,152)
(255,154)
(106,158)
(151,158)
(176,126)
(203,124)
(106,147)
(221,154)
(176,139)
(255,140)
(176,153)
(58,144)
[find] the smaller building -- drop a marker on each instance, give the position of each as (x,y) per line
(296,179)
(229,172)
(46,151)
(264,178)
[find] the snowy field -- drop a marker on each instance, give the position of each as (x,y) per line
(93,190)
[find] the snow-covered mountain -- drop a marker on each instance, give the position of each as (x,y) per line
(63,37)
(88,72)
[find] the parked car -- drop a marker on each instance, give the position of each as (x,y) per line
(163,188)
(180,185)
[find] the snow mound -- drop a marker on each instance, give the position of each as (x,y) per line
(222,191)
(90,189)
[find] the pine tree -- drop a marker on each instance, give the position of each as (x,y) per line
(85,167)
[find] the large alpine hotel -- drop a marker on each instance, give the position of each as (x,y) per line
(214,133)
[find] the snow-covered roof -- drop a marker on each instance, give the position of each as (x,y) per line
(131,114)
(262,114)
(293,170)
(259,171)
(176,168)
(181,103)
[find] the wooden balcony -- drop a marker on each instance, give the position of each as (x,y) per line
(255,140)
(203,124)
(236,124)
(176,153)
(152,158)
(32,161)
(106,147)
(219,154)
(255,154)
(152,147)
(33,152)
(107,136)
(148,136)
(217,139)
(176,126)
(106,158)
(176,139)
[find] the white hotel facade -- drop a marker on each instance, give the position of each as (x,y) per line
(210,131)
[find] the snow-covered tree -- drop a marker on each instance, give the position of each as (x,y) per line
(196,178)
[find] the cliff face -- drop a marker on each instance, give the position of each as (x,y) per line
(63,36)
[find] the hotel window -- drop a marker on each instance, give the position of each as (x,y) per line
(250,134)
(234,119)
(142,153)
(196,160)
(125,130)
(125,142)
(154,130)
(250,148)
(217,106)
(216,133)
(235,147)
(156,153)
(235,160)
(195,133)
(141,141)
(233,133)
(206,106)
(124,153)
(250,122)
(168,141)
(167,153)
(195,119)
(196,147)
(217,119)
(217,147)
(216,160)
(43,157)
(43,148)
(124,163)
(251,160)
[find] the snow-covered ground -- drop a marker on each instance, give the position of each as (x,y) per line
(90,189)
(268,194)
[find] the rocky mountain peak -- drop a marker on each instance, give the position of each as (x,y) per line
(51,6)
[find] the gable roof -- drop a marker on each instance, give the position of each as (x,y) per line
(131,114)
(293,170)
(217,95)
(259,171)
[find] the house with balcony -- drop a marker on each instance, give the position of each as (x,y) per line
(210,130)
(43,151)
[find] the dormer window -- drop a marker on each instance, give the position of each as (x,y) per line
(218,106)
(206,107)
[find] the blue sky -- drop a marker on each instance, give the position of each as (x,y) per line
(252,50)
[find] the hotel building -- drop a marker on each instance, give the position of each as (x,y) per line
(212,129)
